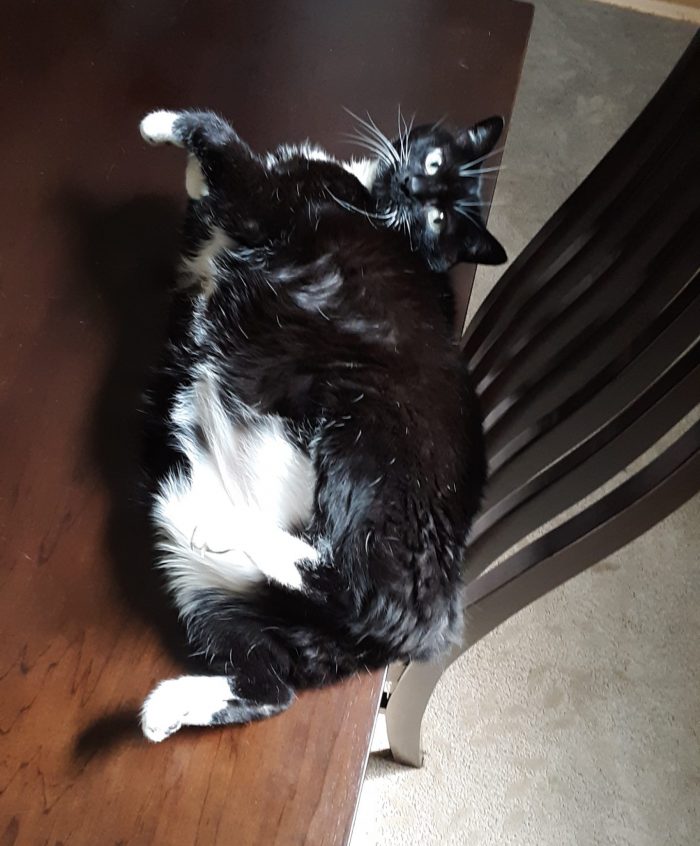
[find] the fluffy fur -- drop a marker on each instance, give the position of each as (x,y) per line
(314,442)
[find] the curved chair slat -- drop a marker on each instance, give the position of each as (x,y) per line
(622,515)
(608,333)
(610,281)
(633,218)
(589,465)
(607,391)
(562,236)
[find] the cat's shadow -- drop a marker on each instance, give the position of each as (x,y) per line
(124,259)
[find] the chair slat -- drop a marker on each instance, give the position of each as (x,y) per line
(589,465)
(608,391)
(602,528)
(553,246)
(574,358)
(638,214)
(606,275)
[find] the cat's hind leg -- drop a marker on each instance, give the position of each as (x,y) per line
(250,660)
(210,701)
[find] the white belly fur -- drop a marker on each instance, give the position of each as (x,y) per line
(226,526)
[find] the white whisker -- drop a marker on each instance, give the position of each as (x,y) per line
(485,156)
(383,216)
(377,134)
(409,129)
(464,171)
(382,139)
(368,144)
(403,135)
(476,204)
(469,215)
(400,136)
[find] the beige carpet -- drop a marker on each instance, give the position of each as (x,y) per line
(576,722)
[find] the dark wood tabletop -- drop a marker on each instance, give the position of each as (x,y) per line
(88,237)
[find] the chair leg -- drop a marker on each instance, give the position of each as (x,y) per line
(406,706)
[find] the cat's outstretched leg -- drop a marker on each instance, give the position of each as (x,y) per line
(210,701)
(196,131)
(250,657)
(217,156)
(221,179)
(160,128)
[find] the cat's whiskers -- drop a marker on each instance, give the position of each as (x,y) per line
(368,143)
(408,133)
(469,215)
(485,156)
(404,133)
(390,216)
(400,134)
(377,135)
(465,171)
(383,138)
(405,223)
(478,203)
(371,216)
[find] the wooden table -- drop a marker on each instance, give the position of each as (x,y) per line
(89,223)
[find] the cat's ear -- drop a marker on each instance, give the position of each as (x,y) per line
(483,248)
(482,137)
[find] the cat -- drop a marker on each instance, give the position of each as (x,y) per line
(315,446)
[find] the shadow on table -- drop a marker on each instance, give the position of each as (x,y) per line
(125,255)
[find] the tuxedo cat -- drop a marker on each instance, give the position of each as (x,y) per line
(314,443)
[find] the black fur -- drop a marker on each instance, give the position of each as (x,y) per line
(326,313)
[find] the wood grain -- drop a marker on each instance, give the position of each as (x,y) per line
(89,231)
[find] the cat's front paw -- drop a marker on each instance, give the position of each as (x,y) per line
(159,128)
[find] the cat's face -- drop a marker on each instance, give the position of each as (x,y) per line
(428,183)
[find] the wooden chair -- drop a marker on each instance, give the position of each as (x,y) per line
(586,353)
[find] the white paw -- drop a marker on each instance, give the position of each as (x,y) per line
(280,559)
(188,700)
(157,128)
(160,714)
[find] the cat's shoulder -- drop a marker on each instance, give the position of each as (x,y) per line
(304,151)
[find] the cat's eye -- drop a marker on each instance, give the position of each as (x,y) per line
(433,161)
(435,218)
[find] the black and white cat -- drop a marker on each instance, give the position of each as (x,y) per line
(314,442)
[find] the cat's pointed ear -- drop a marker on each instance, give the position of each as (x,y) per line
(482,137)
(483,248)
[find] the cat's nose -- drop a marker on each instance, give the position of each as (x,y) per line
(418,186)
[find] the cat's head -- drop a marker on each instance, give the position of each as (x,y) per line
(428,182)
